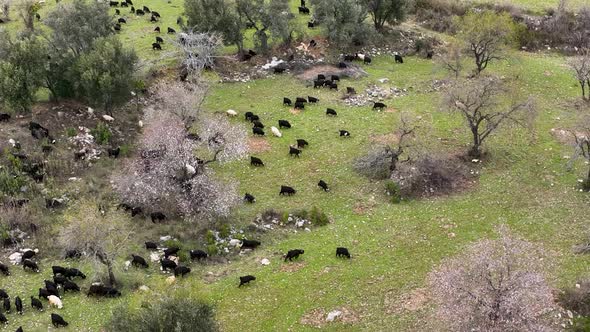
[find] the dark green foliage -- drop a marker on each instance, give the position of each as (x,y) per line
(10,184)
(216,16)
(318,217)
(167,315)
(344,21)
(106,72)
(76,25)
(386,11)
(102,134)
(267,18)
(71,132)
(393,190)
(580,324)
(21,70)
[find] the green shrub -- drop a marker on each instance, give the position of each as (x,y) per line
(71,132)
(125,149)
(102,134)
(169,314)
(394,191)
(580,324)
(301,214)
(224,231)
(586,185)
(318,217)
(172,243)
(10,184)
(210,237)
(212,249)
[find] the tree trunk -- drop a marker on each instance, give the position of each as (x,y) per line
(112,280)
(475,150)
(263,38)
(583,86)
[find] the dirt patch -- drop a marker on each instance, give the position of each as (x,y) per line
(258,144)
(414,300)
(391,110)
(387,139)
(317,317)
(211,277)
(564,136)
(292,267)
(352,71)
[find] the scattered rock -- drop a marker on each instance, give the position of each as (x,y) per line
(265,261)
(332,315)
(108,118)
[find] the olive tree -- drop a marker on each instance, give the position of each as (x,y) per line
(485,35)
(106,72)
(494,285)
(21,70)
(344,21)
(267,18)
(479,102)
(216,16)
(76,25)
(386,11)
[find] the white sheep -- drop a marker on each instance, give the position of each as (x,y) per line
(55,301)
(190,170)
(276,131)
(231,113)
(360,56)
(127,265)
(108,118)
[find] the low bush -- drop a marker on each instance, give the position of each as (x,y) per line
(376,164)
(11,184)
(102,134)
(168,314)
(318,217)
(394,191)
(577,299)
(431,176)
(71,132)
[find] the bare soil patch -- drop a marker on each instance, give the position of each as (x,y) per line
(292,267)
(258,144)
(414,300)
(564,136)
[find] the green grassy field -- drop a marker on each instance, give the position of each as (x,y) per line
(523,184)
(538,6)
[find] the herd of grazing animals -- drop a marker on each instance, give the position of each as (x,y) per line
(154,18)
(63,278)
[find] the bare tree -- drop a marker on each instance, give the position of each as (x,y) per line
(496,285)
(5,9)
(485,34)
(582,148)
(171,172)
(198,50)
(452,60)
(382,161)
(478,102)
(101,237)
(580,66)
(183,100)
